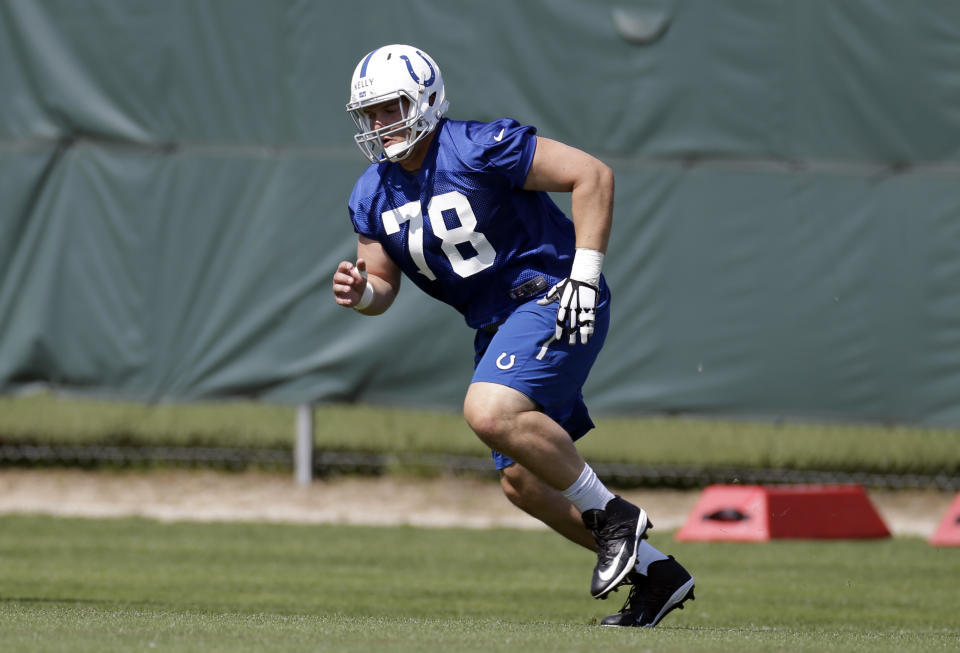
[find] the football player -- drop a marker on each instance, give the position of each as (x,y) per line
(461,208)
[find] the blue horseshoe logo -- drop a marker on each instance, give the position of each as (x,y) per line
(433,73)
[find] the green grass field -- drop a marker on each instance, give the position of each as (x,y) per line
(134,585)
(83,585)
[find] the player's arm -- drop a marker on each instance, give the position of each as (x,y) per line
(557,167)
(371,284)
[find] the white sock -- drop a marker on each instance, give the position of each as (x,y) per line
(588,492)
(646,555)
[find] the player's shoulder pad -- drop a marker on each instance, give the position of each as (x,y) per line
(495,133)
(492,145)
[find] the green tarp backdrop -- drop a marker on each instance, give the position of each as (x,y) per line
(174,178)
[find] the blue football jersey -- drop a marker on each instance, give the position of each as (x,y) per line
(462,228)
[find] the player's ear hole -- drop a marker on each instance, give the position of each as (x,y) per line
(433,97)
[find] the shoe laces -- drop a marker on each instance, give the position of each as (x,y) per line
(609,538)
(633,601)
(645,597)
(613,529)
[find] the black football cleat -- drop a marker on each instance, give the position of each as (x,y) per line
(665,587)
(618,528)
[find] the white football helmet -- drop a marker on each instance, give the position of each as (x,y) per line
(389,73)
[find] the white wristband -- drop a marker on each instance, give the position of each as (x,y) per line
(586,266)
(366,298)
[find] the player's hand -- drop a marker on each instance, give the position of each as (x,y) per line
(349,282)
(577,309)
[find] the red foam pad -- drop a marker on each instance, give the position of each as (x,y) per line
(948,532)
(750,513)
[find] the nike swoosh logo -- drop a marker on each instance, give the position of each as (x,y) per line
(499,137)
(607,574)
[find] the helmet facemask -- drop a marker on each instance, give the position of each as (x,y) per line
(411,125)
(396,73)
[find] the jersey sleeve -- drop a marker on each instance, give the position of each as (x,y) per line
(508,148)
(359,207)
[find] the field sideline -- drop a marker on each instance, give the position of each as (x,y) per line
(394,500)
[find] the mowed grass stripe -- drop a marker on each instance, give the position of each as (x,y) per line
(124,585)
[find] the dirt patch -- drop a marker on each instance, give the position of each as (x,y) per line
(187,495)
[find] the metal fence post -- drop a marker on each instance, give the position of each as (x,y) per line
(303,447)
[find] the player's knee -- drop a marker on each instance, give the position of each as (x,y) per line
(489,425)
(515,481)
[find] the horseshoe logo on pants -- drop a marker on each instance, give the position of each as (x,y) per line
(508,365)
